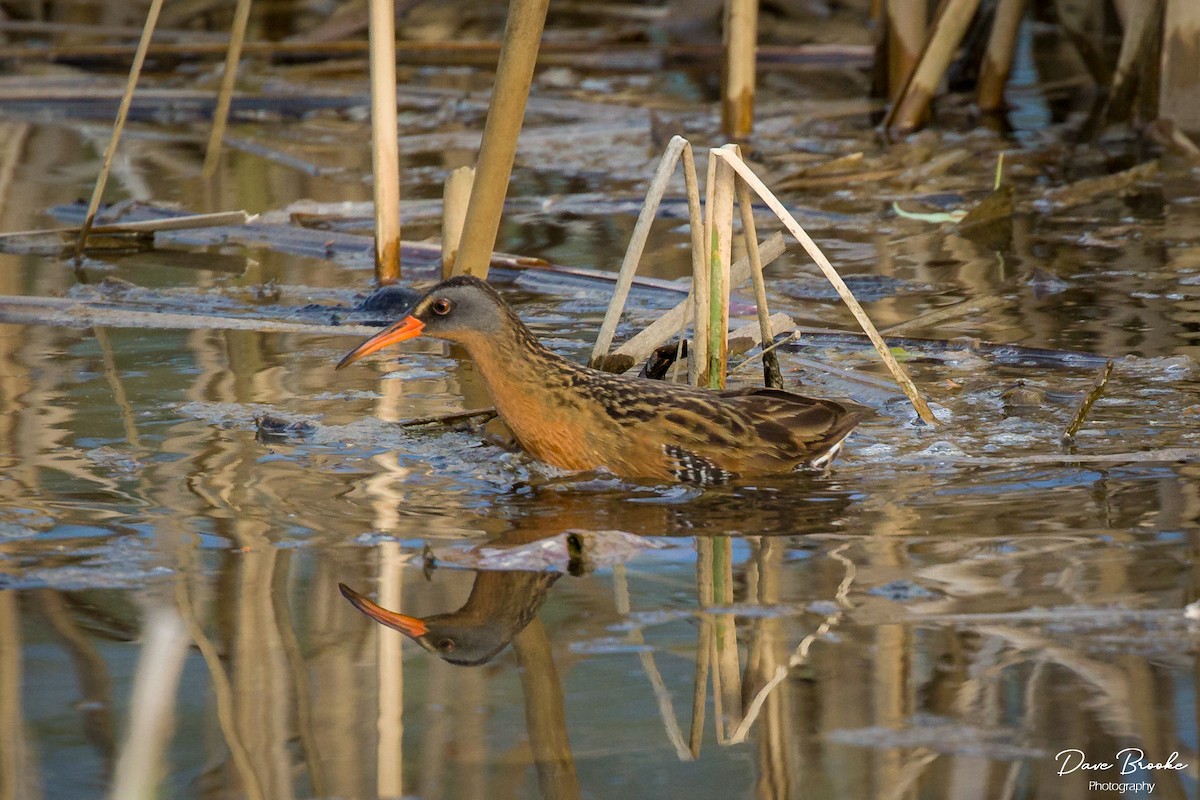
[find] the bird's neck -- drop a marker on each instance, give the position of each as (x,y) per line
(528,383)
(512,361)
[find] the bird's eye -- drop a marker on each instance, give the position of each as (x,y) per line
(442,306)
(445,645)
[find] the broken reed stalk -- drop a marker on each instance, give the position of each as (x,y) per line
(456,196)
(1179,95)
(514,74)
(772,377)
(906,21)
(640,346)
(135,69)
(1085,405)
(637,244)
(737,84)
(720,252)
(998,58)
(237,37)
(947,32)
(831,274)
(385,138)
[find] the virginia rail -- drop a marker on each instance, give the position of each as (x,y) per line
(579,418)
(501,604)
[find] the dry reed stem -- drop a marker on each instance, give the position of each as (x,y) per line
(514,74)
(1140,43)
(237,37)
(772,377)
(740,52)
(184,223)
(831,274)
(701,293)
(906,21)
(641,345)
(456,196)
(637,244)
(699,260)
(1179,93)
(1085,405)
(720,251)
(385,138)
(947,32)
(998,58)
(135,70)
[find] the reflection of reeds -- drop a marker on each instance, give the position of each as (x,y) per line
(18,772)
(151,708)
(390,671)
(662,695)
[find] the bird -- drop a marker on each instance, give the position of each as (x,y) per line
(501,604)
(578,418)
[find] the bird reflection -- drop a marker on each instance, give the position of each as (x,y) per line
(501,604)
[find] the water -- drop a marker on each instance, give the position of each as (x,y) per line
(939,616)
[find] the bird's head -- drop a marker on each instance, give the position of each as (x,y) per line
(463,309)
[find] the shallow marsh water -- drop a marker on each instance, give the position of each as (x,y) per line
(938,616)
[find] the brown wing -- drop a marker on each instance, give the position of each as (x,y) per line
(712,437)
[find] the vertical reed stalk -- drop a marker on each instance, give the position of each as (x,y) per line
(237,36)
(720,253)
(696,228)
(998,59)
(456,196)
(514,74)
(701,293)
(385,145)
(909,111)
(740,51)
(1179,93)
(772,377)
(135,70)
(906,22)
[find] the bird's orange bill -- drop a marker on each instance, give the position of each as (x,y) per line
(408,328)
(409,626)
